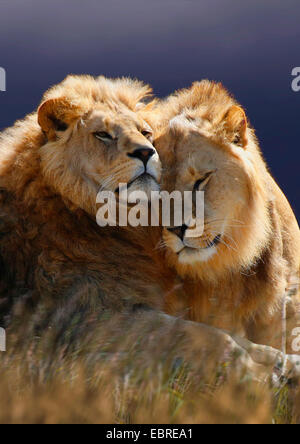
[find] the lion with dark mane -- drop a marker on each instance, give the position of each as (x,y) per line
(87,135)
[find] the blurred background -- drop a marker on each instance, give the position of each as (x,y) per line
(251,46)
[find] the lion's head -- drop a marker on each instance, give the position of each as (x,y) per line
(96,138)
(205,144)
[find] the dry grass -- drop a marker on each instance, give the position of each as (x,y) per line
(108,398)
(97,378)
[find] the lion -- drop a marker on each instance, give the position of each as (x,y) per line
(87,135)
(62,277)
(240,273)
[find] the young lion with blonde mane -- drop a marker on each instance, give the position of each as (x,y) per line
(237,274)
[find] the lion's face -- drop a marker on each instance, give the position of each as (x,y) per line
(96,147)
(206,145)
(202,165)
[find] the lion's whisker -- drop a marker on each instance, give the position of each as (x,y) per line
(161,245)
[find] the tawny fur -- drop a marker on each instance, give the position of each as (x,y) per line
(241,287)
(61,275)
(51,168)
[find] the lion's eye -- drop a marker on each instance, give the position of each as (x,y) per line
(103,136)
(147,134)
(201,183)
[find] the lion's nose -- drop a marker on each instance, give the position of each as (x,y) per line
(143,154)
(179,231)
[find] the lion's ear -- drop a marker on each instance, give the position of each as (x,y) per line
(140,106)
(145,105)
(236,126)
(55,115)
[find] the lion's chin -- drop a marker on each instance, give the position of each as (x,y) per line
(144,183)
(190,256)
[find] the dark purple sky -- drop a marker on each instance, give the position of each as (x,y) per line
(250,45)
